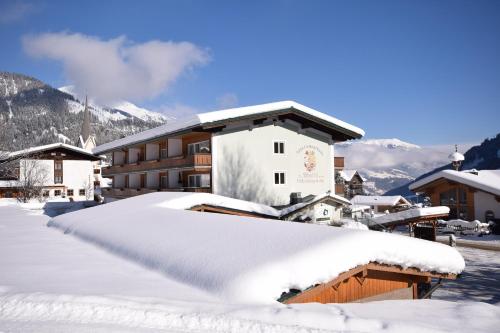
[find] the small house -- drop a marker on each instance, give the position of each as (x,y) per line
(381,203)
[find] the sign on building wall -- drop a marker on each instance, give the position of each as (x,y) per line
(323,213)
(309,171)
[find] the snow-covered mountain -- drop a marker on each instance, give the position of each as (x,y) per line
(117,111)
(391,163)
(34,113)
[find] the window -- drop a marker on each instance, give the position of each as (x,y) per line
(70,193)
(81,192)
(57,193)
(58,179)
(279,147)
(58,165)
(279,178)
(97,171)
(163,153)
(164,182)
(46,193)
(199,147)
(200,180)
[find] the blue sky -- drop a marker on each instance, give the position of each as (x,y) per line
(427,72)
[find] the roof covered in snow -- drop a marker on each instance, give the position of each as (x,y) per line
(411,215)
(378,200)
(39,149)
(315,199)
(184,200)
(221,116)
(243,258)
(348,174)
(485,180)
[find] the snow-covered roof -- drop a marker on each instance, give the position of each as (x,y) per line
(228,115)
(38,149)
(293,208)
(9,183)
(456,157)
(347,174)
(378,200)
(411,214)
(485,180)
(244,258)
(183,200)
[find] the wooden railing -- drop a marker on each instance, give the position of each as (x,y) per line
(339,189)
(130,192)
(197,160)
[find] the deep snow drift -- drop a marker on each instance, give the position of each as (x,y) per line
(51,282)
(244,259)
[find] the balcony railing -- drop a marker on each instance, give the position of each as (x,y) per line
(196,160)
(130,192)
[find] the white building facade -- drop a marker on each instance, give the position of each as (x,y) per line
(261,153)
(63,171)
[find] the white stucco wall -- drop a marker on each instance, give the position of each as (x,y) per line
(118,157)
(244,162)
(173,179)
(174,147)
(79,175)
(152,151)
(133,155)
(153,180)
(45,167)
(119,181)
(134,180)
(484,202)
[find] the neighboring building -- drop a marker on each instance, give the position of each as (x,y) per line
(60,169)
(321,209)
(381,203)
(348,182)
(470,194)
(259,153)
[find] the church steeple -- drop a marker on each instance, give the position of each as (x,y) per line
(86,122)
(86,140)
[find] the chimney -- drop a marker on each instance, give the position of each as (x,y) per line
(295,198)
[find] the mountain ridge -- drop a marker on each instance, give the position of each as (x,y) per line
(34,113)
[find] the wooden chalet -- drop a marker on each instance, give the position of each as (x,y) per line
(370,282)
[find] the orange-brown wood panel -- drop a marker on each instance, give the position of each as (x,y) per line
(193,138)
(351,289)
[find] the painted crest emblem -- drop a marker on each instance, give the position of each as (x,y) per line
(309,160)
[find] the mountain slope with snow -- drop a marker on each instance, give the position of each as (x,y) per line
(390,163)
(34,113)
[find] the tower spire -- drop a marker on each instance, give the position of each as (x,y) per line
(86,122)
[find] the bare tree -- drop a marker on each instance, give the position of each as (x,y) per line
(88,185)
(33,175)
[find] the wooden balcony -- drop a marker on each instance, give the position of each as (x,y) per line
(130,192)
(339,189)
(196,160)
(338,162)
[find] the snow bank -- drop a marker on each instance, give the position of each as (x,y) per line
(244,259)
(412,213)
(49,313)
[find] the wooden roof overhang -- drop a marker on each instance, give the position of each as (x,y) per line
(431,186)
(337,132)
(70,154)
(230,211)
(412,274)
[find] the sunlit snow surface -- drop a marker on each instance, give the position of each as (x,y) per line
(52,282)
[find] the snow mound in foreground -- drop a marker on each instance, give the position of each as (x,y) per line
(244,259)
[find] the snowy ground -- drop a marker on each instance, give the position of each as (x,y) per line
(479,282)
(51,282)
